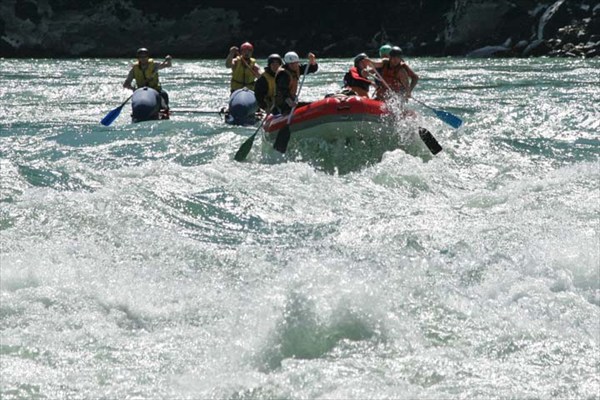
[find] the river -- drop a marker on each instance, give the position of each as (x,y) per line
(141,261)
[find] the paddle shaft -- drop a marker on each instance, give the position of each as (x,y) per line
(423,104)
(254,72)
(125,102)
(445,116)
(298,94)
(183,110)
(383,80)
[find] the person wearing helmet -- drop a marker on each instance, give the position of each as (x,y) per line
(384,51)
(286,80)
(264,89)
(145,73)
(244,70)
(356,81)
(397,74)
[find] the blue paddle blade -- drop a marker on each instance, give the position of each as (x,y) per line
(448,118)
(111,116)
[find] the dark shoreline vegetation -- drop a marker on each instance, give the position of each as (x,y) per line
(185,29)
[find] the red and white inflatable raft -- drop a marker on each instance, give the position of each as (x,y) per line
(329,119)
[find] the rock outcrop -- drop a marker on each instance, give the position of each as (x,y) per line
(477,28)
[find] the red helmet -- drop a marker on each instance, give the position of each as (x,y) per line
(247,46)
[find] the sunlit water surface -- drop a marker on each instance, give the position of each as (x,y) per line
(142,261)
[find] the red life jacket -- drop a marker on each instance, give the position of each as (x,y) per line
(355,81)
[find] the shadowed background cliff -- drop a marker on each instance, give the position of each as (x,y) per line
(478,28)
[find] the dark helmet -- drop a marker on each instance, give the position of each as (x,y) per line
(142,50)
(359,58)
(396,52)
(274,57)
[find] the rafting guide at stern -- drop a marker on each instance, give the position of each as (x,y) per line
(398,75)
(145,73)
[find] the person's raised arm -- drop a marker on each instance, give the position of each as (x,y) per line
(312,61)
(166,63)
(233,52)
(312,64)
(375,64)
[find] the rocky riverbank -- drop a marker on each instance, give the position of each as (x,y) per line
(473,28)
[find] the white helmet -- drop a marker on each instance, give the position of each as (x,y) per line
(291,57)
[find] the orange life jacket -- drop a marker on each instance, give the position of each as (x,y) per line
(292,87)
(396,77)
(293,81)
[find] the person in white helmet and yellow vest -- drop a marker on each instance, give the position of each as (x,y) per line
(244,69)
(145,73)
(286,81)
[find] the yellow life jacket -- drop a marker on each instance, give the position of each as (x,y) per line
(269,98)
(271,83)
(146,77)
(242,75)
